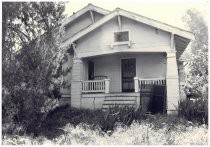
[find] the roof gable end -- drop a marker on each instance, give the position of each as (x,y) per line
(156,24)
(82,11)
(165,27)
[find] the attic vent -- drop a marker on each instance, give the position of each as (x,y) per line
(121,36)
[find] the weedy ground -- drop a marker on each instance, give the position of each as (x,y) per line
(65,126)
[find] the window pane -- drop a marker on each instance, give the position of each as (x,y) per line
(121,36)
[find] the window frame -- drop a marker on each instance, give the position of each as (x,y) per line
(121,42)
(121,32)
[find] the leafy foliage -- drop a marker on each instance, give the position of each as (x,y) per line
(28,20)
(194,110)
(197,57)
(31,59)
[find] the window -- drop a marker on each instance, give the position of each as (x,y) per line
(121,36)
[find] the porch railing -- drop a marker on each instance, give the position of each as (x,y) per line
(138,82)
(95,86)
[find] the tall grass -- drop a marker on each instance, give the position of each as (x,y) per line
(139,133)
(121,115)
(118,125)
(194,110)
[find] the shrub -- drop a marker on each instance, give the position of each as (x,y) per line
(123,115)
(194,110)
(96,119)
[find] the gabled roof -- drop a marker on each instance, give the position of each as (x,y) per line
(185,35)
(89,7)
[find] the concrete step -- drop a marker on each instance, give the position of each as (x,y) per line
(118,102)
(120,98)
(119,105)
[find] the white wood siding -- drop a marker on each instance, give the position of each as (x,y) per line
(143,38)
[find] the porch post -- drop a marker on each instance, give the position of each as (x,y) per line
(172,82)
(107,84)
(76,83)
(136,84)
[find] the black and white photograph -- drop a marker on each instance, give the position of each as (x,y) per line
(104,72)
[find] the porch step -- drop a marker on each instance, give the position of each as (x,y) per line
(107,106)
(119,100)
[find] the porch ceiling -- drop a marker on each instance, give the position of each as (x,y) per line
(180,43)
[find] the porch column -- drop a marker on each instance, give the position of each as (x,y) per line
(172,83)
(76,83)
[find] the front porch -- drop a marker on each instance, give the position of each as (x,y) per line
(119,70)
(120,79)
(96,94)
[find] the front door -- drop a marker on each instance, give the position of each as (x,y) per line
(128,67)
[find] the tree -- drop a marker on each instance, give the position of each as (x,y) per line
(197,58)
(31,58)
(27,21)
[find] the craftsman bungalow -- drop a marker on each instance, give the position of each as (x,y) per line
(115,55)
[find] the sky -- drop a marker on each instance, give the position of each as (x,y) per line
(167,11)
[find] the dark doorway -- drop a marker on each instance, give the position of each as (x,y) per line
(128,67)
(153,98)
(90,70)
(158,102)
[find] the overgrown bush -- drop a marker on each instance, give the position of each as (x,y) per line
(96,119)
(124,115)
(195,110)
(30,62)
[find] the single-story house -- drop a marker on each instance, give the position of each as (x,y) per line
(122,58)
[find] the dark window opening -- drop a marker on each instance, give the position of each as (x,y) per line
(90,70)
(121,36)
